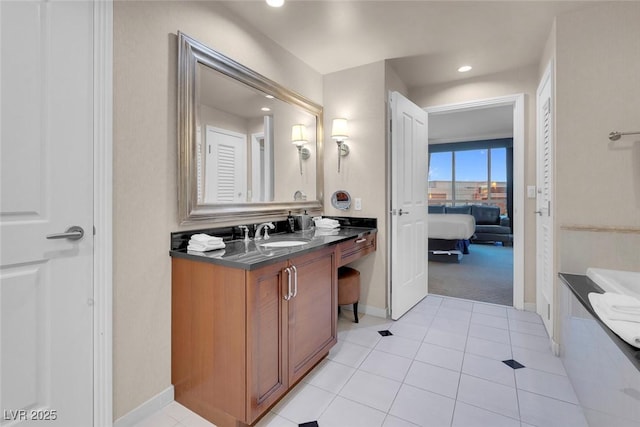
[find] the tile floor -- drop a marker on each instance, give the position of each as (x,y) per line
(443,366)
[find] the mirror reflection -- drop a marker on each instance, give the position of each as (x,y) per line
(244,143)
(248,146)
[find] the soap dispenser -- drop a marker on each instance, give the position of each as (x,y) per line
(291,224)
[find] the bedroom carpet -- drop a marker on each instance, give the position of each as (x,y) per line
(485,274)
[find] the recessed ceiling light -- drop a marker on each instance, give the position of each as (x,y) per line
(269,96)
(266,109)
(465,68)
(275,3)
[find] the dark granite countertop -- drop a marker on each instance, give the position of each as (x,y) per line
(249,256)
(581,286)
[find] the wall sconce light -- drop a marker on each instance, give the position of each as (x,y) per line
(339,132)
(299,138)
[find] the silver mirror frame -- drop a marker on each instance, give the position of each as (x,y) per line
(190,53)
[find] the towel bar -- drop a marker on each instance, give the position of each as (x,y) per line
(615,135)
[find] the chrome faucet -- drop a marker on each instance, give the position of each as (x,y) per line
(246,232)
(264,226)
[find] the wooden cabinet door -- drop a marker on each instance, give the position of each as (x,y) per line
(266,338)
(312,312)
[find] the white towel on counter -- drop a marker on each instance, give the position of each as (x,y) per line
(621,307)
(326,223)
(205,238)
(628,331)
(204,247)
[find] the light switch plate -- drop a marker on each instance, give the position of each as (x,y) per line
(531,191)
(357,203)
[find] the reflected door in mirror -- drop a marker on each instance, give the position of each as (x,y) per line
(225,166)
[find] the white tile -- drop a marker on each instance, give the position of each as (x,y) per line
(195,420)
(460,327)
(525,316)
(490,333)
(446,339)
(551,385)
(420,318)
(177,411)
(537,360)
(433,378)
(528,327)
(399,346)
(531,342)
(274,420)
(392,421)
(488,369)
(343,412)
(432,300)
(371,390)
(440,356)
(491,349)
(489,320)
(348,353)
(428,310)
(304,403)
(492,310)
(470,416)
(422,407)
(158,419)
(366,337)
(457,303)
(543,411)
(491,396)
(409,330)
(330,376)
(386,365)
(454,313)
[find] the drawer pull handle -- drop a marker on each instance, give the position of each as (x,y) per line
(361,240)
(295,281)
(287,297)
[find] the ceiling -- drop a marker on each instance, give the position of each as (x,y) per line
(425,41)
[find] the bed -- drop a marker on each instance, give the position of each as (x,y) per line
(449,236)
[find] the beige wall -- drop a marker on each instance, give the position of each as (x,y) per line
(525,81)
(358,95)
(598,181)
(145,182)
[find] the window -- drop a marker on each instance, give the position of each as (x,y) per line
(470,173)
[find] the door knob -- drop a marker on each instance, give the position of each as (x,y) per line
(401,212)
(72,233)
(538,212)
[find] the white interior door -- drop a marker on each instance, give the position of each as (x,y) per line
(225,166)
(544,209)
(46,159)
(409,161)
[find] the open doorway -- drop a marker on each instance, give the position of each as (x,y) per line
(475,168)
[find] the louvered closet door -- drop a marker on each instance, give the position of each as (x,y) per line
(225,166)
(544,213)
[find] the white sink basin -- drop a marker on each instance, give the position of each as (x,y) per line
(616,281)
(284,243)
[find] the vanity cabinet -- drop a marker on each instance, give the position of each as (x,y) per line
(355,248)
(242,338)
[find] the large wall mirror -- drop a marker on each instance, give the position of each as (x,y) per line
(248,147)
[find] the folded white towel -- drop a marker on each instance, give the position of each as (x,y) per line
(205,238)
(326,223)
(621,307)
(204,247)
(628,331)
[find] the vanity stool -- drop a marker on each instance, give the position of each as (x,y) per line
(349,288)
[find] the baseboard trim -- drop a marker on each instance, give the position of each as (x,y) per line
(367,309)
(530,306)
(149,407)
